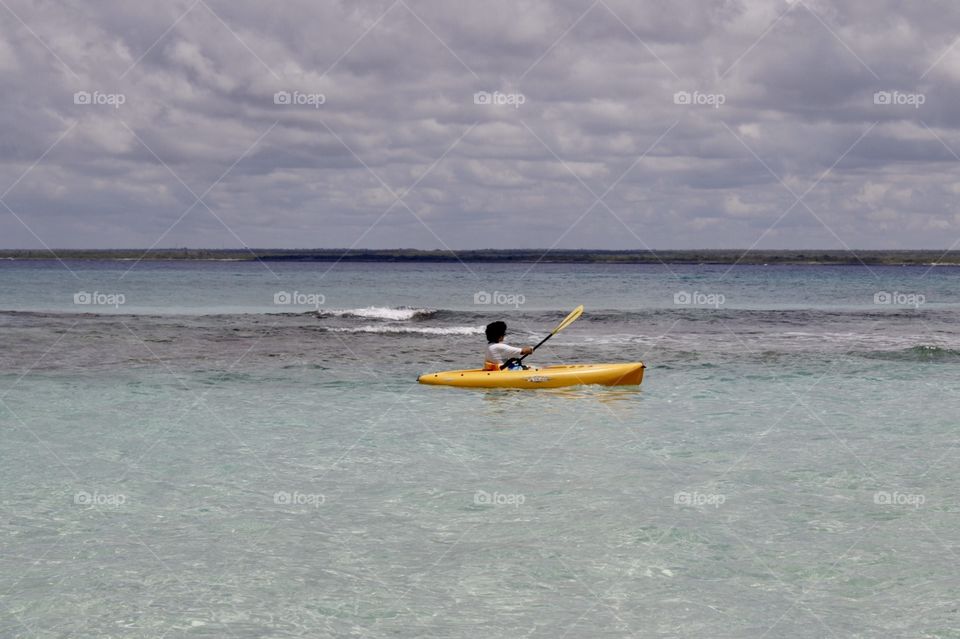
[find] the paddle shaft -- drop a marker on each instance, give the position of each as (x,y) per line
(567,321)
(537,346)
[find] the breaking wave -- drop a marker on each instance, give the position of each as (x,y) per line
(394,314)
(430,330)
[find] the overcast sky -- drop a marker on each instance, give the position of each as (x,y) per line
(609,124)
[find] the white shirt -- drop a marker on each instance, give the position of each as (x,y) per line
(499,352)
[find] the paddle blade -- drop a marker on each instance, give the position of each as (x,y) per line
(569,319)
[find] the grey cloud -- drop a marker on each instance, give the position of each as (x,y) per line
(796,79)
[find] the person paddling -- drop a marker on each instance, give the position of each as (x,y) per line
(497,352)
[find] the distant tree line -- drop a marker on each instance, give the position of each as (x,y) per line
(588,256)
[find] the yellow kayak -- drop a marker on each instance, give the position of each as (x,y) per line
(545,377)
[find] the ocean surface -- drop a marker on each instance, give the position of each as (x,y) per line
(240,449)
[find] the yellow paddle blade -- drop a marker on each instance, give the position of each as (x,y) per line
(569,319)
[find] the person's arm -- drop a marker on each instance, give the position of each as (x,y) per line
(526,350)
(505,351)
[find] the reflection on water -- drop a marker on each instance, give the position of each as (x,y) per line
(602,393)
(557,403)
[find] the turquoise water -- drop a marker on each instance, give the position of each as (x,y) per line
(199,461)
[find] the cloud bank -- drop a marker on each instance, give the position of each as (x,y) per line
(430,124)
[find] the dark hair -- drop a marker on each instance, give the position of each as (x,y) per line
(496,330)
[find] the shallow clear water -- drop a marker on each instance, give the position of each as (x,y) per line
(201,462)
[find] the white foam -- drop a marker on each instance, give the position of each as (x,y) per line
(378,312)
(434,330)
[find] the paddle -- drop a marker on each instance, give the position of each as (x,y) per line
(567,321)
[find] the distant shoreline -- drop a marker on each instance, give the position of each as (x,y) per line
(563,256)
